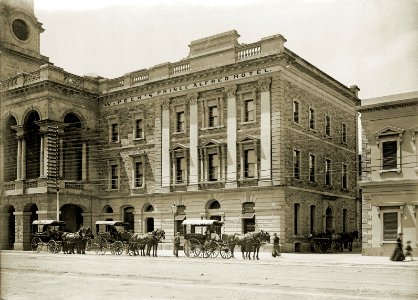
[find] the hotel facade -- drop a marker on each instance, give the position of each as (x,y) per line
(249,134)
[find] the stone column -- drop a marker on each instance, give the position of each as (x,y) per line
(19,159)
(22,230)
(194,142)
(23,172)
(265,132)
(165,146)
(61,157)
(231,121)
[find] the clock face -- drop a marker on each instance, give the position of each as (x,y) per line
(20,29)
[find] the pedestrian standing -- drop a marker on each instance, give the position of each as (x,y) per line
(276,246)
(398,252)
(408,250)
(176,244)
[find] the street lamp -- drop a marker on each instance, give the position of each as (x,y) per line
(174,211)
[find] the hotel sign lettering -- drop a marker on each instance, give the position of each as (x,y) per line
(191,86)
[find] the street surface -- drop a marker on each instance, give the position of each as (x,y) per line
(29,275)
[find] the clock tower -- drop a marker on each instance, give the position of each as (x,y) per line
(19,38)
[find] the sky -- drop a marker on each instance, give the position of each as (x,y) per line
(369,43)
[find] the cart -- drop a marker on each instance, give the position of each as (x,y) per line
(109,235)
(203,239)
(46,233)
(323,244)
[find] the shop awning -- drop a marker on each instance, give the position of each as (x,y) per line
(180,217)
(247,215)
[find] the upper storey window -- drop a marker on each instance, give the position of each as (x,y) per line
(296,112)
(180,122)
(312,124)
(327,126)
(389,141)
(249,113)
(248,109)
(139,129)
(113,130)
(212,112)
(344,133)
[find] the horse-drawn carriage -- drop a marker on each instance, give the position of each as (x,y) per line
(324,241)
(46,232)
(203,239)
(110,235)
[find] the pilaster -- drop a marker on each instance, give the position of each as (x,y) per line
(265,132)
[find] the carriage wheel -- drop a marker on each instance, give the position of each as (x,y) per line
(100,245)
(335,247)
(117,248)
(192,248)
(52,246)
(225,251)
(212,249)
(36,244)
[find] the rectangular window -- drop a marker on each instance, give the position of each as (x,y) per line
(139,174)
(312,118)
(312,217)
(311,168)
(249,163)
(345,220)
(344,177)
(114,132)
(213,116)
(213,167)
(327,125)
(180,122)
(180,169)
(138,129)
(390,226)
(296,164)
(296,112)
(114,177)
(249,111)
(390,155)
(327,172)
(296,216)
(344,133)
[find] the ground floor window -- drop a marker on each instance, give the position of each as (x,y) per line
(390,226)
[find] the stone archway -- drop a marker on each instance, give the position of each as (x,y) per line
(24,228)
(149,218)
(72,215)
(7,227)
(10,146)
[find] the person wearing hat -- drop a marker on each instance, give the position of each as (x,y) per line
(176,244)
(276,246)
(398,252)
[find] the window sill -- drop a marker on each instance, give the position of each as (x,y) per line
(179,132)
(214,127)
(248,122)
(328,136)
(390,170)
(313,130)
(138,139)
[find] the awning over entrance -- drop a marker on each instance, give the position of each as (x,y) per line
(180,217)
(247,215)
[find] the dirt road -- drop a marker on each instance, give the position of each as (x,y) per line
(27,275)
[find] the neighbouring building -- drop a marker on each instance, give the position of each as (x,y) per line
(389,180)
(250,134)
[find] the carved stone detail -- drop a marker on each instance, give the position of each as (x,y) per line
(165,103)
(230,91)
(192,98)
(264,84)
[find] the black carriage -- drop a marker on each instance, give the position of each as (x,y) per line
(110,235)
(203,239)
(326,242)
(46,233)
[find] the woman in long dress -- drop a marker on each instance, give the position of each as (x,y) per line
(398,252)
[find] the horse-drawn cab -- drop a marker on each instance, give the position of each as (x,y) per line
(46,232)
(203,239)
(110,235)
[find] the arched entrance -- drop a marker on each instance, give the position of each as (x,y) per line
(71,214)
(128,217)
(11,228)
(213,212)
(149,218)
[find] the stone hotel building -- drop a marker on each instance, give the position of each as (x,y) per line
(250,134)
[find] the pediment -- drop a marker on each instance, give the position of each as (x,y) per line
(389,130)
(179,146)
(210,143)
(248,139)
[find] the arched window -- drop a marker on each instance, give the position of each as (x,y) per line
(215,205)
(128,217)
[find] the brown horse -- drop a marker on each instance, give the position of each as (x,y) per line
(157,235)
(137,243)
(249,242)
